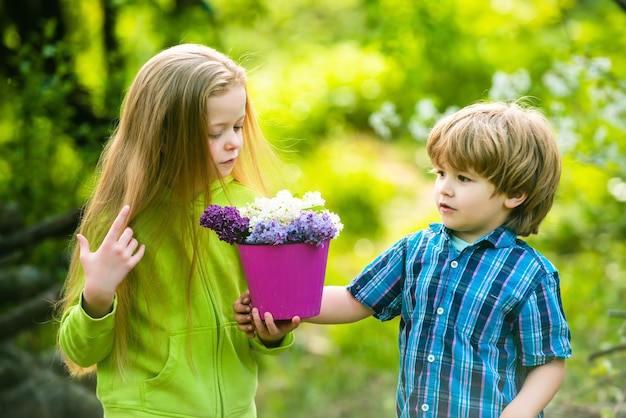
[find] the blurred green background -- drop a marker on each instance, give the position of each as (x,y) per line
(349,88)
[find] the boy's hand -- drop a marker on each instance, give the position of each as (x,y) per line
(269,331)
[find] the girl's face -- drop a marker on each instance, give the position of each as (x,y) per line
(226,115)
(467,204)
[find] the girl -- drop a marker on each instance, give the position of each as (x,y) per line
(155,318)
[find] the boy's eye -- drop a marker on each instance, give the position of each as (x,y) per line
(463,179)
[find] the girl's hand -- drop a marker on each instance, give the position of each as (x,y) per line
(272,332)
(107,267)
(269,331)
(243,314)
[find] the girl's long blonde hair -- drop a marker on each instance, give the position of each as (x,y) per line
(160,146)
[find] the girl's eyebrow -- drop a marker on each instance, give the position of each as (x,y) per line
(213,125)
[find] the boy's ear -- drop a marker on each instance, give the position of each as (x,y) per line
(515,201)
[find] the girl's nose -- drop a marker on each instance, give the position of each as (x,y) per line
(234,140)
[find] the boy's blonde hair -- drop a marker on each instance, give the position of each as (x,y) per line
(160,148)
(511,146)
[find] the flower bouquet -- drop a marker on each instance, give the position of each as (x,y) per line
(283,242)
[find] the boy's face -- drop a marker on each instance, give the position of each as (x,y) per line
(467,204)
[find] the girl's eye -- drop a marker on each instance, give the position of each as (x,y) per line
(463,179)
(219,134)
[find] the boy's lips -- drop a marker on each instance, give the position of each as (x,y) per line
(445,207)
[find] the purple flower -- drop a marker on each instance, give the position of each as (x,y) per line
(227,223)
(268,232)
(312,228)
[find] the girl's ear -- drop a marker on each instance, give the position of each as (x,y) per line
(515,201)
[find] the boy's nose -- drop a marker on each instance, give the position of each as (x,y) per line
(445,188)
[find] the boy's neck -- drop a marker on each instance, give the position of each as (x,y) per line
(458,243)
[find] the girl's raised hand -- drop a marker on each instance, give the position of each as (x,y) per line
(107,267)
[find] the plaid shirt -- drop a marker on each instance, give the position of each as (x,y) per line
(472,323)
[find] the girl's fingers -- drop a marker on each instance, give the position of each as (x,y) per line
(243,318)
(83,244)
(295,322)
(125,236)
(258,321)
(248,329)
(270,324)
(118,224)
(240,308)
(135,258)
(132,246)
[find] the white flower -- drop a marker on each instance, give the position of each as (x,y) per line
(284,208)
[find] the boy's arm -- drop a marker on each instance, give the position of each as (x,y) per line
(538,389)
(339,307)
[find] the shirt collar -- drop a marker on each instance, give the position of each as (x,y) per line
(220,184)
(217,187)
(500,237)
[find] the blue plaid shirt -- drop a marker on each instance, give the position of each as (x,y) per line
(472,323)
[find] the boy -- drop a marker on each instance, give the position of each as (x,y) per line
(482,330)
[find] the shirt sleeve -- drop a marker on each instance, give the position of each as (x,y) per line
(543,330)
(379,286)
(86,340)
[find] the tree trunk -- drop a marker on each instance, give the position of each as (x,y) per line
(29,388)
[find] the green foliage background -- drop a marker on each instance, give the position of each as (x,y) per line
(339,86)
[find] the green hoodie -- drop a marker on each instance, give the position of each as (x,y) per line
(208,372)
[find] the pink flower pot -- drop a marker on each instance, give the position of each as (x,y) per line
(286,280)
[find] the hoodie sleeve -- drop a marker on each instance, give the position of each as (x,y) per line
(258,346)
(86,340)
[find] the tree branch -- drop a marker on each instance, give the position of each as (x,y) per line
(29,313)
(56,226)
(20,283)
(601,353)
(10,217)
(29,387)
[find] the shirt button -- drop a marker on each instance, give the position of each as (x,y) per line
(425,407)
(440,311)
(430,358)
(454,264)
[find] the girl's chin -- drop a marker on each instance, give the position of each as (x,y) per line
(224,172)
